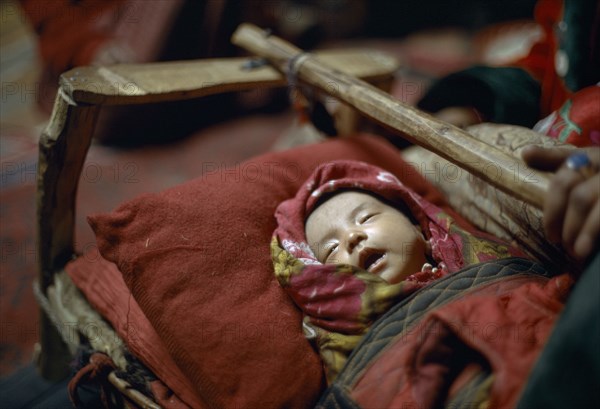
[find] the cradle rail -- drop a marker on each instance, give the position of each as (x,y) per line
(65,141)
(492,165)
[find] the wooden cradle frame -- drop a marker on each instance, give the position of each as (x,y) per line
(83,91)
(64,144)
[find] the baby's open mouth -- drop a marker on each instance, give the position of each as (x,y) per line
(373,261)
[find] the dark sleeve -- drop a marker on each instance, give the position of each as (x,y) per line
(500,94)
(567,373)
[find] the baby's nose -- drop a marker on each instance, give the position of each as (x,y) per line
(354,238)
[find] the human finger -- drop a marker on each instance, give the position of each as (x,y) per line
(587,239)
(581,202)
(546,159)
(557,200)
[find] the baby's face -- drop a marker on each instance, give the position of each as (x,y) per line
(358,229)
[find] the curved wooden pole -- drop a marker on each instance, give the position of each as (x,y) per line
(496,167)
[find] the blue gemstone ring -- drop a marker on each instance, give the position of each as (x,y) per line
(580,162)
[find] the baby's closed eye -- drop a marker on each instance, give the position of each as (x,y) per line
(366,217)
(330,249)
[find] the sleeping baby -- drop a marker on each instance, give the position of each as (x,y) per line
(357,228)
(354,241)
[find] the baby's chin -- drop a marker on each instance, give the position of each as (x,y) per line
(395,276)
(398,272)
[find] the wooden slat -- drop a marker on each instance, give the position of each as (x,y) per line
(496,167)
(135,396)
(170,81)
(62,150)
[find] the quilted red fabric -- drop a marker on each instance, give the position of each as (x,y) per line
(503,325)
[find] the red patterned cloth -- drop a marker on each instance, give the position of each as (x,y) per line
(340,302)
(567,70)
(578,120)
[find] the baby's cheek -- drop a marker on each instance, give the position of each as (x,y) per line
(413,256)
(413,249)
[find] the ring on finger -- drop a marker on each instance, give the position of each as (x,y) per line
(580,162)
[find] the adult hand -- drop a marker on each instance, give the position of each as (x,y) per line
(572,204)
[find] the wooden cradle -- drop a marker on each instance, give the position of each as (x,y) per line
(63,148)
(82,93)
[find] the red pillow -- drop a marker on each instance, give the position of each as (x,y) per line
(104,288)
(196,258)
